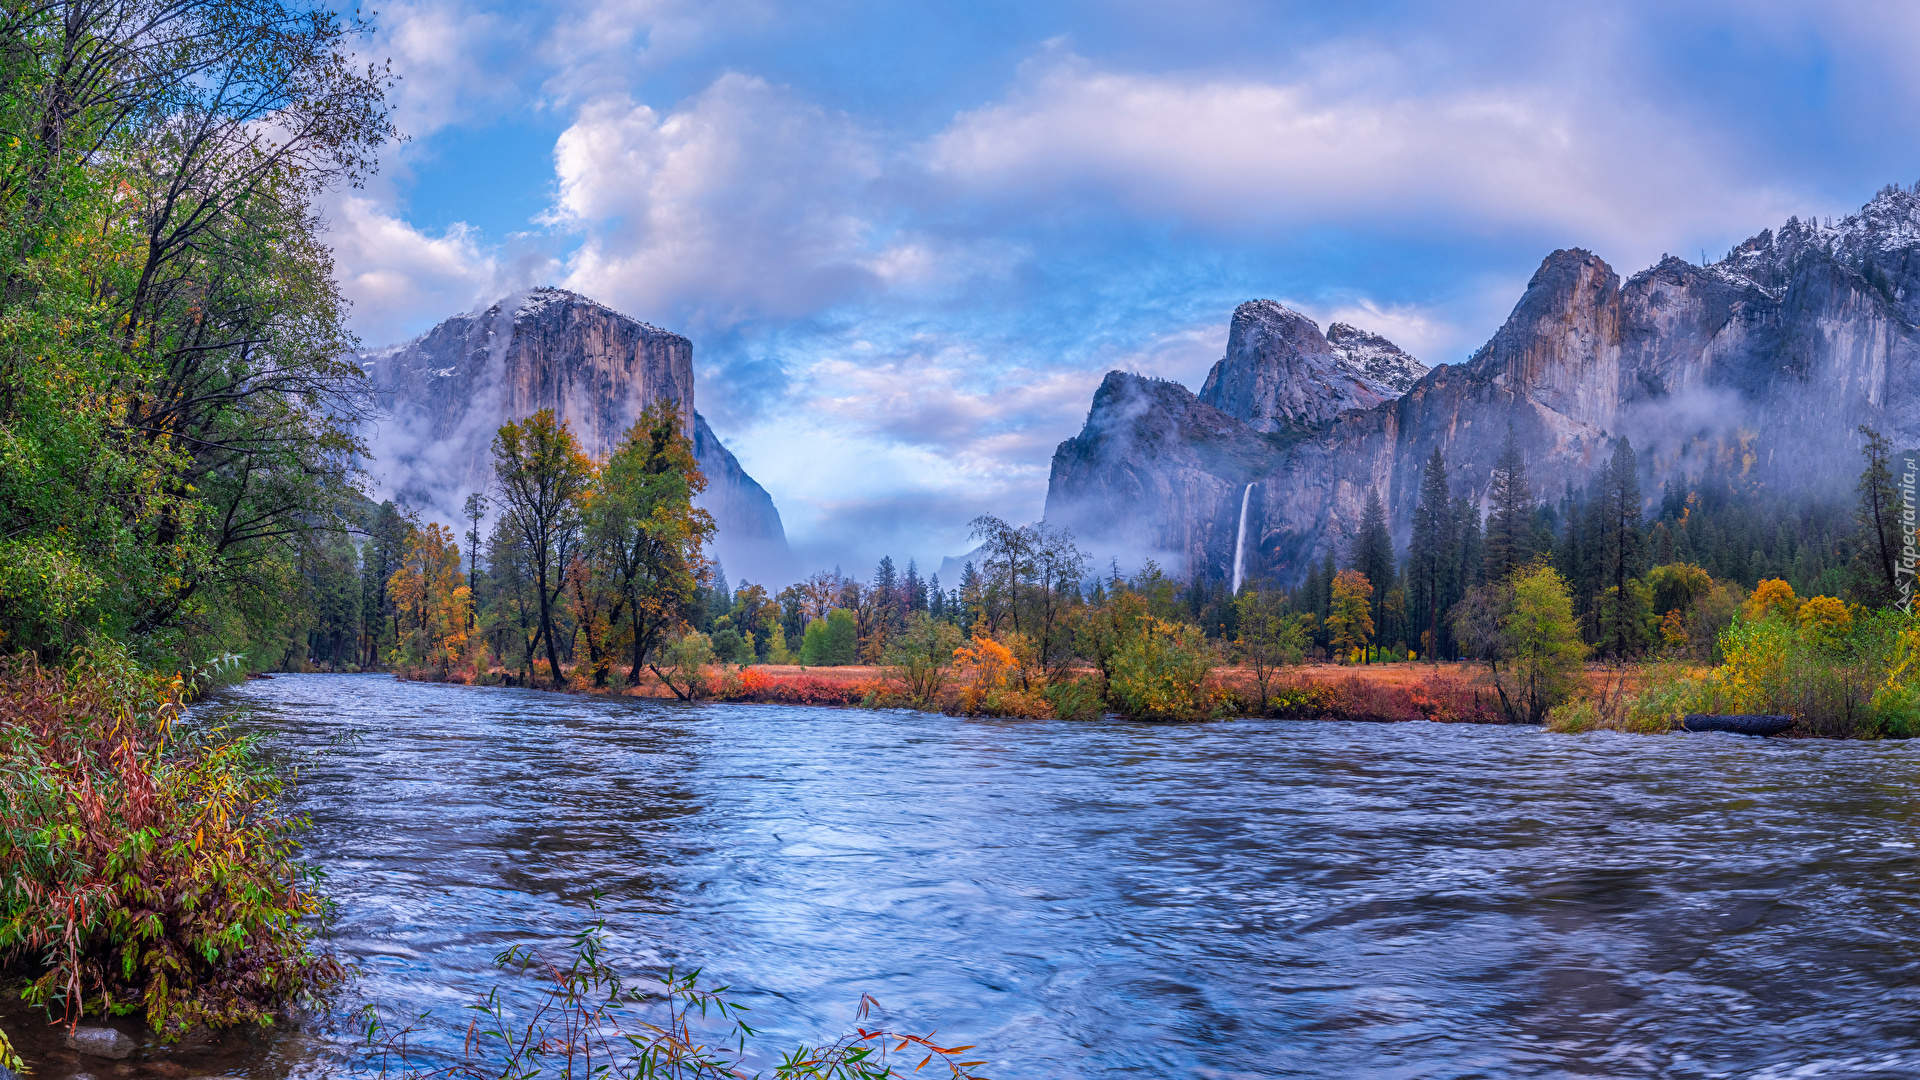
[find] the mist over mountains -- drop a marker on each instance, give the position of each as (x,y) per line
(449,390)
(1762,365)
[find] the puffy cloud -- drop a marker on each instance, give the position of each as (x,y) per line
(400,279)
(454,60)
(1234,153)
(743,203)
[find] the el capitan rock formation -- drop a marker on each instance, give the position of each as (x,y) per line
(450,389)
(1762,364)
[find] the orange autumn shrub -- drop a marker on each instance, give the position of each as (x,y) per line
(985,673)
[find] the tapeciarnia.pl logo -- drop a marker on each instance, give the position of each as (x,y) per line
(1904,572)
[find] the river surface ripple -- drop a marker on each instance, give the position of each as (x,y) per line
(1246,899)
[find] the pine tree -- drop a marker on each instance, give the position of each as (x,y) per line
(1323,600)
(1879,518)
(969,598)
(887,615)
(1509,520)
(719,594)
(1430,556)
(1469,548)
(379,556)
(914,589)
(1622,544)
(1373,548)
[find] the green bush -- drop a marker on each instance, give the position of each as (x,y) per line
(1076,699)
(1574,717)
(1857,676)
(832,641)
(730,647)
(1160,672)
(593,1020)
(687,659)
(921,657)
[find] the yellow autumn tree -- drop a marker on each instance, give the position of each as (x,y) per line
(1824,613)
(1770,596)
(1350,617)
(431,595)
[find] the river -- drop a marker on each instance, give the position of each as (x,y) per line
(1229,900)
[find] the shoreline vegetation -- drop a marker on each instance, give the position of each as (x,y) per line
(596,577)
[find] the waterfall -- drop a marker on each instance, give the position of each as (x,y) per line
(1240,542)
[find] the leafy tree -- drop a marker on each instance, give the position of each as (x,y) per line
(1032,581)
(921,657)
(1542,643)
(543,476)
(432,600)
(1160,671)
(1270,637)
(645,531)
(1350,621)
(1676,586)
(1774,597)
(175,415)
(1525,631)
(813,644)
(842,642)
(757,617)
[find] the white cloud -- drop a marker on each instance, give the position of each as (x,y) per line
(743,203)
(1234,152)
(402,280)
(597,49)
(450,59)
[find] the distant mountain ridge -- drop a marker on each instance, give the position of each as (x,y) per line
(448,390)
(1762,364)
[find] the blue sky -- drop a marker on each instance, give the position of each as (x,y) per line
(908,239)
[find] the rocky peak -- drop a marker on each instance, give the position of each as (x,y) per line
(1281,373)
(1881,243)
(1560,348)
(1374,358)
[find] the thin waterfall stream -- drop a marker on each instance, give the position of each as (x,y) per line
(1240,541)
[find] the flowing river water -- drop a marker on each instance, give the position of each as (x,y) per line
(1245,899)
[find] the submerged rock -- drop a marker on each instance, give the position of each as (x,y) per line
(101,1042)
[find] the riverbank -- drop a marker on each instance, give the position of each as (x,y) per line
(1363,693)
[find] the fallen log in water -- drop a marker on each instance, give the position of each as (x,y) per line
(1737,724)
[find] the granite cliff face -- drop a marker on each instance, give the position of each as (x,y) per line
(450,389)
(1280,372)
(1762,364)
